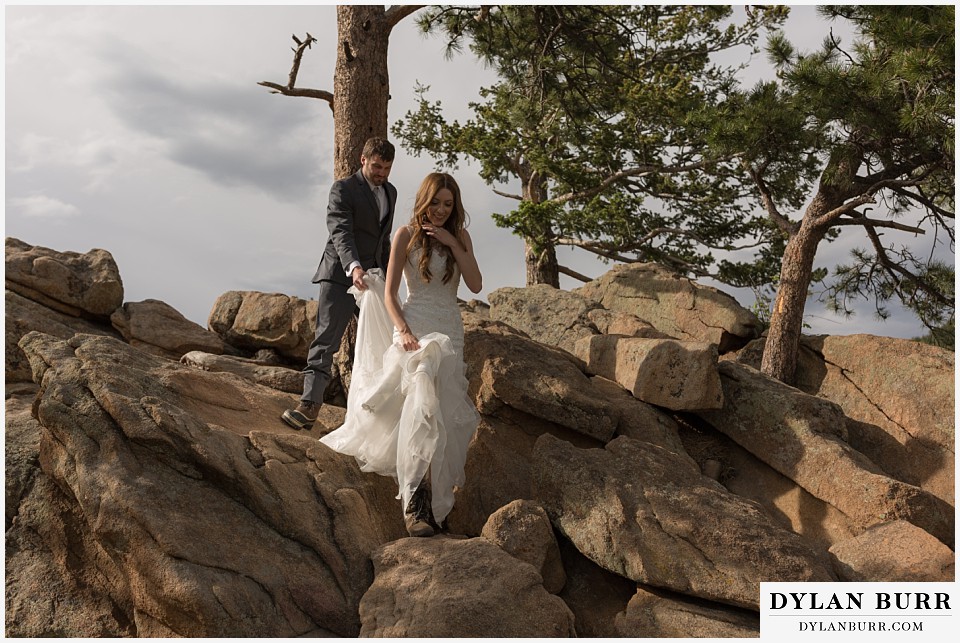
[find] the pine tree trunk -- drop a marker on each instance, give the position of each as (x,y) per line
(361,84)
(796,268)
(541,265)
(540,252)
(786,322)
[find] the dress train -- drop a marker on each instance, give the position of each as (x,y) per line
(407,411)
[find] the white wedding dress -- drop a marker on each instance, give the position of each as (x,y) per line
(408,412)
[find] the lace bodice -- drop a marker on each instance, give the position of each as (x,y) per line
(431,307)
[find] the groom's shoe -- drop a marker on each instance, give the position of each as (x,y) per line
(303,416)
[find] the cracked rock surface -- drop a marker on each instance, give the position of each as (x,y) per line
(547,382)
(648,515)
(257,320)
(453,587)
(78,284)
(561,318)
(23,315)
(805,438)
(215,527)
(657,614)
(278,377)
(898,395)
(158,328)
(674,305)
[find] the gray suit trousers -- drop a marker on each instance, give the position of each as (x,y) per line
(336,308)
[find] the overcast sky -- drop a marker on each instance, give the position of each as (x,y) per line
(142,130)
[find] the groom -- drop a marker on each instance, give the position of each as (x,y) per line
(359,219)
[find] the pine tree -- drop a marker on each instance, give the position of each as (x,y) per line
(854,136)
(599,112)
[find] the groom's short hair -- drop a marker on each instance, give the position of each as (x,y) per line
(377,146)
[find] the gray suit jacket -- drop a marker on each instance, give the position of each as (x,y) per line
(353,220)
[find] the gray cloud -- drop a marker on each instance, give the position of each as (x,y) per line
(43,206)
(234,133)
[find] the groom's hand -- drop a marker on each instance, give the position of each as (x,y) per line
(357,276)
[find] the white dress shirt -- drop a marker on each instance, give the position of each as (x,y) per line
(381,196)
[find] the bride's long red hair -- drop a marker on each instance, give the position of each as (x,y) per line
(454,224)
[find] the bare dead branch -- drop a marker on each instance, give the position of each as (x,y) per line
(878,223)
(290,89)
(297,56)
(296,91)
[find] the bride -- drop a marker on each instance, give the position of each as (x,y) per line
(408,412)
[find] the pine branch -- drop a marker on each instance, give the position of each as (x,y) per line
(924,201)
(437,16)
(571,273)
(866,197)
(640,243)
(670,260)
(846,208)
(786,225)
(507,195)
(680,265)
(398,12)
(596,247)
(898,273)
(636,172)
(890,173)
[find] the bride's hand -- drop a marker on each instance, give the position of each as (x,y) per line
(442,235)
(409,341)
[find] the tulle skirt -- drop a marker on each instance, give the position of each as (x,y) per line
(407,412)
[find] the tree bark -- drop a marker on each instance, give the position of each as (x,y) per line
(540,250)
(361,83)
(786,322)
(837,188)
(542,265)
(360,80)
